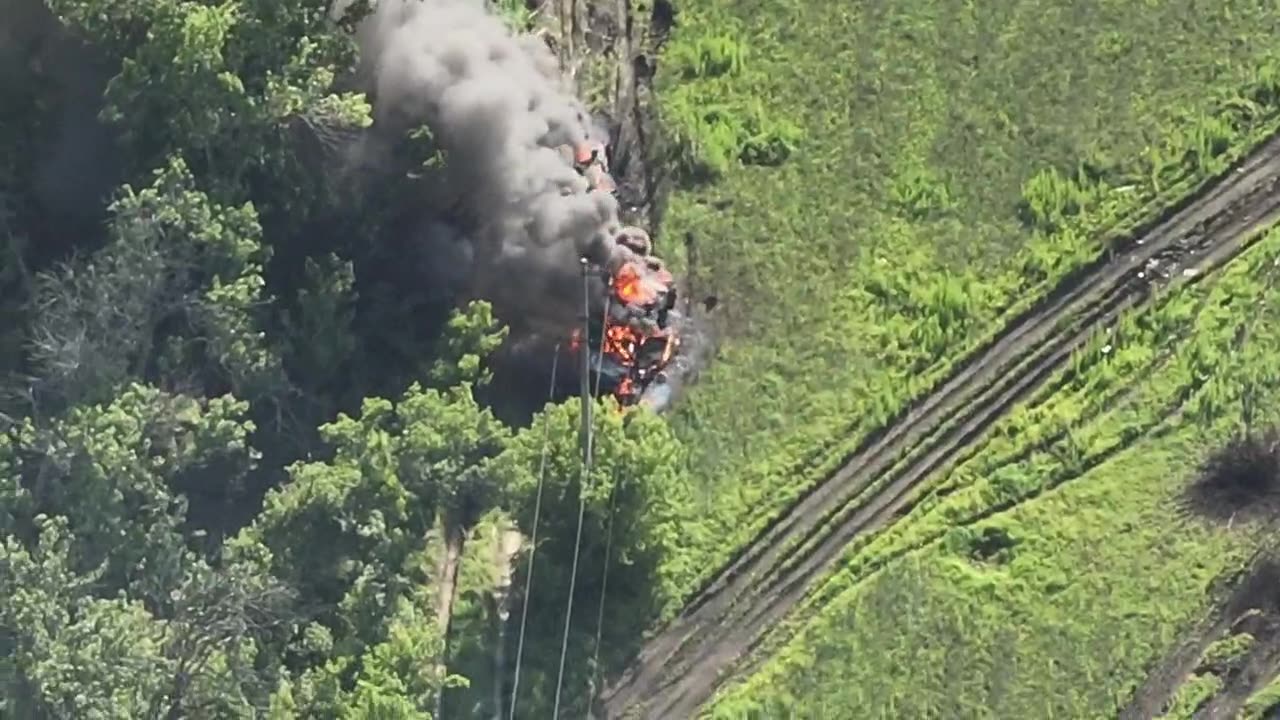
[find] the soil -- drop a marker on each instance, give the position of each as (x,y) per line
(1252,605)
(1242,479)
(682,665)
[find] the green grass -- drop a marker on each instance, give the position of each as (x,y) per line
(913,173)
(1047,572)
(1268,698)
(1229,650)
(1196,691)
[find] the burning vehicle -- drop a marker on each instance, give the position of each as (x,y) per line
(633,342)
(524,190)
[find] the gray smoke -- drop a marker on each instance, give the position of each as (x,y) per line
(697,345)
(497,106)
(78,164)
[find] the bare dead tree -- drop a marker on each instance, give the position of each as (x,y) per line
(215,610)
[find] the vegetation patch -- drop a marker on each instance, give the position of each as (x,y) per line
(1263,703)
(947,166)
(1224,653)
(708,133)
(1193,694)
(1086,477)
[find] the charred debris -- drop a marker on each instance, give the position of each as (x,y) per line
(632,341)
(524,198)
(1241,478)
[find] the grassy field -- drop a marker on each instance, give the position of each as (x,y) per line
(914,171)
(1268,698)
(1041,577)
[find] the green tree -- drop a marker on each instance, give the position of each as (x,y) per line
(319,331)
(171,298)
(226,85)
(355,534)
(120,472)
(66,653)
(635,501)
(469,337)
(70,651)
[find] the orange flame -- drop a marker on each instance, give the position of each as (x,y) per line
(626,388)
(622,343)
(638,285)
(630,287)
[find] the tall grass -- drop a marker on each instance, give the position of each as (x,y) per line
(1060,500)
(706,138)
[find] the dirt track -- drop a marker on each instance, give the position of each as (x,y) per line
(681,667)
(1252,606)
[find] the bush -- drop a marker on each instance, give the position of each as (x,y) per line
(1227,652)
(707,137)
(1050,197)
(707,56)
(767,141)
(920,194)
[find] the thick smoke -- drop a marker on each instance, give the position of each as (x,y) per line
(498,109)
(78,163)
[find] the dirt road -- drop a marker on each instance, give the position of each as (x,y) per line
(681,667)
(1250,606)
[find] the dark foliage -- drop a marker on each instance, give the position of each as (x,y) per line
(1242,476)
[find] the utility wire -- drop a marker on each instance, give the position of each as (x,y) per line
(533,542)
(582,496)
(608,547)
(604,592)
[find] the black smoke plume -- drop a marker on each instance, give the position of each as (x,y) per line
(503,119)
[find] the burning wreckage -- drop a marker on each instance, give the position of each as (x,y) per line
(632,344)
(507,208)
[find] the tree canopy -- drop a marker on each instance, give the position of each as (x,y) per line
(243,468)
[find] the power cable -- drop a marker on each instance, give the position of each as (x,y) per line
(533,542)
(582,486)
(604,592)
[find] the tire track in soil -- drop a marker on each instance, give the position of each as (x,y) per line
(1172,410)
(1248,603)
(680,668)
(1257,669)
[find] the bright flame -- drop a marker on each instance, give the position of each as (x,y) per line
(630,287)
(631,340)
(621,341)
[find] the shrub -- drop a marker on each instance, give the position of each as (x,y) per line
(992,544)
(1226,652)
(707,138)
(919,194)
(1208,139)
(767,141)
(707,56)
(1051,197)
